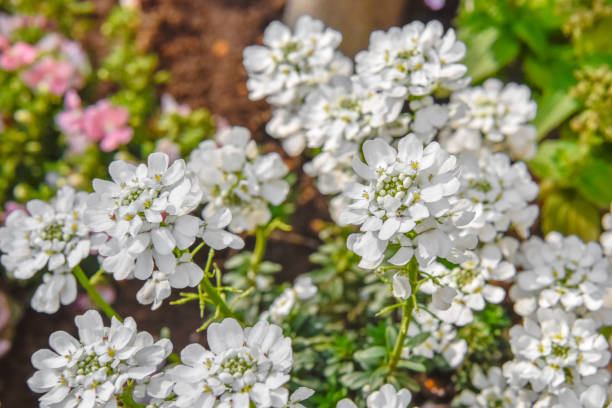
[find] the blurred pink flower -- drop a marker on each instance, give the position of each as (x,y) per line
(4,42)
(9,207)
(19,55)
(170,148)
(101,122)
(435,4)
(108,124)
(54,76)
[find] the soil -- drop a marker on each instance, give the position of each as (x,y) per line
(200,43)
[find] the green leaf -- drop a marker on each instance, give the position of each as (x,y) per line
(593,181)
(412,365)
(355,380)
(557,160)
(371,357)
(569,213)
(554,108)
(391,336)
(488,51)
(416,340)
(531,33)
(388,309)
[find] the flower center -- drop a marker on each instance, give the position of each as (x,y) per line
(53,231)
(238,365)
(393,186)
(560,351)
(132,196)
(464,277)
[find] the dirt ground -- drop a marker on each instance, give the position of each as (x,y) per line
(200,43)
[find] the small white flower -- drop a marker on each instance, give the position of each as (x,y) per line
(492,116)
(299,395)
(410,199)
(386,397)
(561,271)
(242,367)
(93,370)
(493,392)
(303,289)
(606,236)
(401,287)
(471,280)
(333,169)
(51,236)
(289,64)
(500,191)
(233,175)
(416,59)
(442,339)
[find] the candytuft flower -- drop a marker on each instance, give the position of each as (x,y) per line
(492,116)
(233,175)
(409,200)
(242,367)
(92,370)
(51,236)
(416,59)
(386,397)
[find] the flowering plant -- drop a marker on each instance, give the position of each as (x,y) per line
(427,285)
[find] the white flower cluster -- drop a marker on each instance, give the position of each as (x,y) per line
(561,272)
(561,358)
(417,59)
(442,339)
(47,236)
(145,213)
(287,67)
(472,283)
(243,368)
(93,370)
(303,289)
(233,175)
(410,201)
(493,391)
(386,397)
(500,191)
(492,116)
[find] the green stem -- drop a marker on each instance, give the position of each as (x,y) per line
(258,252)
(216,298)
(93,293)
(407,309)
(211,255)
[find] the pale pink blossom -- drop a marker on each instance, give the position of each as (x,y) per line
(102,122)
(19,55)
(54,76)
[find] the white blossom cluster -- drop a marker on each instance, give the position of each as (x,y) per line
(93,370)
(606,237)
(493,116)
(409,200)
(47,236)
(144,211)
(501,192)
(289,65)
(417,59)
(233,175)
(472,281)
(561,358)
(442,339)
(303,289)
(386,397)
(493,391)
(242,368)
(561,272)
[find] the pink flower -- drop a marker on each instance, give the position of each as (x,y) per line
(54,76)
(9,207)
(70,122)
(101,122)
(19,55)
(4,42)
(170,105)
(108,124)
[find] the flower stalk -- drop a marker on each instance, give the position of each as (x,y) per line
(408,307)
(94,294)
